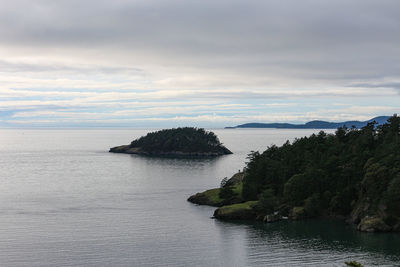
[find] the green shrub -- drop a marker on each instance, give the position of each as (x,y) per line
(227,192)
(267,202)
(312,205)
(392,196)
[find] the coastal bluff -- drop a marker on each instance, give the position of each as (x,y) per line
(177,142)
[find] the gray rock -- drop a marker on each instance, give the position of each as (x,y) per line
(272,218)
(297,213)
(373,224)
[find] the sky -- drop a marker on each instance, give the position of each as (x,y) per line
(208,63)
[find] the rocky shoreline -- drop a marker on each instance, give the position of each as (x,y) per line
(127,149)
(237,209)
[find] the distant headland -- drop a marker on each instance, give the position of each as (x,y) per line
(314,124)
(178,142)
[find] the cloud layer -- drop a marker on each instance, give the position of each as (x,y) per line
(204,63)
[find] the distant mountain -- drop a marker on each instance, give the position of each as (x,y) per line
(313,124)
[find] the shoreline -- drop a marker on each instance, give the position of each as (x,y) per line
(236,208)
(126,149)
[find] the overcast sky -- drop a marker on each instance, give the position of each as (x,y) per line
(206,63)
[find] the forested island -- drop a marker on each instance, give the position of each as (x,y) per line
(353,174)
(178,142)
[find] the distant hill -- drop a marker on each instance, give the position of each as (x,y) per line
(314,124)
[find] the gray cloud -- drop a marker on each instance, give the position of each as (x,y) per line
(393,85)
(7,66)
(102,54)
(329,40)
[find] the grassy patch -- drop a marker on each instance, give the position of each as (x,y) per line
(213,195)
(238,189)
(237,207)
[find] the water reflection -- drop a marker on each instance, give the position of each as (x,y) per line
(177,162)
(312,242)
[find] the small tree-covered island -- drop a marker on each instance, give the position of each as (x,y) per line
(352,174)
(179,142)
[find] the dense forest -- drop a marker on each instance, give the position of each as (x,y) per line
(353,174)
(178,141)
(185,139)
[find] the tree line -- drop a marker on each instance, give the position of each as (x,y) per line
(186,139)
(330,173)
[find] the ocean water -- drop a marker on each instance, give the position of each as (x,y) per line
(66,201)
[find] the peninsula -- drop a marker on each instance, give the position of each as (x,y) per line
(178,142)
(352,174)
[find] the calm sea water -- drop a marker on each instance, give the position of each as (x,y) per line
(66,201)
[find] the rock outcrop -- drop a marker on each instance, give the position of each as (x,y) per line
(373,224)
